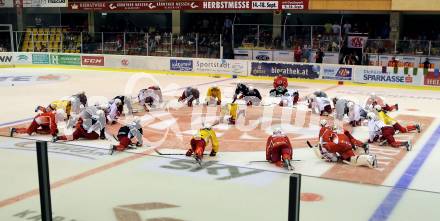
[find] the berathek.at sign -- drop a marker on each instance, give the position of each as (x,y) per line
(190,5)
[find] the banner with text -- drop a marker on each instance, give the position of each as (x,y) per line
(290,70)
(374,74)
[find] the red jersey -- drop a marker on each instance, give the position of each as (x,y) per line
(276,141)
(47,119)
(280,81)
(325,133)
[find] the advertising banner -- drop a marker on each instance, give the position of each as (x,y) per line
(6,3)
(62,59)
(40,58)
(220,66)
(190,5)
(294,4)
(5,58)
(137,5)
(23,58)
(181,65)
(432,78)
(356,41)
(333,72)
(287,56)
(373,74)
(242,54)
(45,3)
(87,60)
(260,55)
(288,70)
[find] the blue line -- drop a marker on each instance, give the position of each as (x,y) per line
(387,206)
(16,122)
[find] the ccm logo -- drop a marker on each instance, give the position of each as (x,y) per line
(93,60)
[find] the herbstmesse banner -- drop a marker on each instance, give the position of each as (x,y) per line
(190,5)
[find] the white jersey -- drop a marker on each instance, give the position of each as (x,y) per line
(322,102)
(375,128)
(356,113)
(288,97)
(135,132)
(112,112)
(146,93)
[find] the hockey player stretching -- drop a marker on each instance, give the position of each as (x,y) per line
(127,133)
(378,131)
(279,86)
(214,95)
(390,121)
(334,147)
(199,142)
(43,123)
(279,149)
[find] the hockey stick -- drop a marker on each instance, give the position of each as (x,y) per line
(171,154)
(309,144)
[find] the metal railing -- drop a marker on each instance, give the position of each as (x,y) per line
(123,43)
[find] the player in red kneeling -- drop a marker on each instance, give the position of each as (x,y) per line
(126,133)
(279,149)
(43,123)
(373,100)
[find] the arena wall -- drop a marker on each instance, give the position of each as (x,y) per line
(350,74)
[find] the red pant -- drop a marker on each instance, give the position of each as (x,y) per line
(389,108)
(402,129)
(353,140)
(198,147)
(124,141)
(45,129)
(343,149)
(388,135)
(280,151)
(81,133)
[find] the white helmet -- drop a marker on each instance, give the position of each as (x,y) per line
(377,108)
(350,104)
(323,122)
(251,88)
(277,131)
(371,116)
(136,122)
(118,101)
(373,95)
(100,113)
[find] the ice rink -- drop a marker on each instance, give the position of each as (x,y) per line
(89,184)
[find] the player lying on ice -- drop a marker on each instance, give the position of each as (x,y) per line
(381,114)
(380,132)
(150,97)
(127,133)
(335,146)
(320,105)
(249,94)
(43,123)
(89,129)
(280,84)
(373,100)
(213,96)
(279,149)
(200,140)
(190,95)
